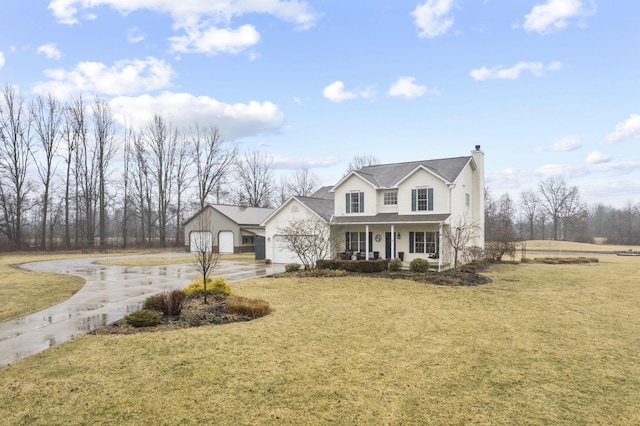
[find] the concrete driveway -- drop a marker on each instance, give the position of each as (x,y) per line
(110,293)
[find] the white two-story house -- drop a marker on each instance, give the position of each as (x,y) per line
(393,210)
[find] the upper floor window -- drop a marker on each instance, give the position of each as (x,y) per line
(467,199)
(355,202)
(390,198)
(422,199)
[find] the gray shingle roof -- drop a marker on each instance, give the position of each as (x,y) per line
(388,175)
(244,215)
(383,218)
(323,207)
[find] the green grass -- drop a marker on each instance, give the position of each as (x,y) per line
(542,344)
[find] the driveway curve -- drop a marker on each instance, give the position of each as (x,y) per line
(109,294)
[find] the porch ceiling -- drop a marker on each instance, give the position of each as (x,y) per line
(386,218)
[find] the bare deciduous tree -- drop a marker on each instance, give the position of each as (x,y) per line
(360,161)
(559,200)
(255,179)
(15,155)
(46,118)
(161,138)
(183,180)
(459,235)
(104,133)
(213,160)
(310,238)
(529,204)
(206,260)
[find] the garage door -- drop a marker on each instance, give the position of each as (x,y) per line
(226,241)
(281,254)
(199,240)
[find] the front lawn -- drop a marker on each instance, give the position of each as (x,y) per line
(541,344)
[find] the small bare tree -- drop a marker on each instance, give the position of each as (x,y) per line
(360,161)
(310,238)
(459,236)
(206,260)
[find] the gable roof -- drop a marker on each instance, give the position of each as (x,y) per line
(321,207)
(389,175)
(243,216)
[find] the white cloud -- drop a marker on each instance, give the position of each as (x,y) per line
(206,23)
(294,163)
(406,88)
(214,40)
(184,109)
(500,73)
(2,60)
(596,157)
(135,35)
(568,143)
(628,129)
(124,77)
(335,92)
(432,17)
(555,14)
(50,51)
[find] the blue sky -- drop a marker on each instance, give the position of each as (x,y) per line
(546,87)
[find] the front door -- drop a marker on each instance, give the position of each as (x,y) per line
(387,246)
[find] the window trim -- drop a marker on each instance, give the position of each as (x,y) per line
(428,201)
(390,194)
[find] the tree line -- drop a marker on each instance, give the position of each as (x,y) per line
(555,211)
(72,177)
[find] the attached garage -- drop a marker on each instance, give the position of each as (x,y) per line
(199,240)
(225,241)
(281,254)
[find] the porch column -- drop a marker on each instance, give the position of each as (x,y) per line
(440,246)
(366,244)
(393,242)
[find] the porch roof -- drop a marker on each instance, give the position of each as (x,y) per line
(389,218)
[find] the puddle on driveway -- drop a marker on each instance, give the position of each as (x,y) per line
(110,293)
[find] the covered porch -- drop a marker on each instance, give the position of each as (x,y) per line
(391,236)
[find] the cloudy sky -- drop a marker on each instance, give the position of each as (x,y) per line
(546,87)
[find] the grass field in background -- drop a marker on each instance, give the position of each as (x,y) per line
(542,344)
(560,246)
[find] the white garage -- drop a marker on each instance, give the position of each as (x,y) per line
(225,239)
(198,240)
(281,254)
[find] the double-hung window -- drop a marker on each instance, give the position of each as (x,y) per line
(422,199)
(423,242)
(354,202)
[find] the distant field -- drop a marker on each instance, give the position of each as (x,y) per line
(549,245)
(542,344)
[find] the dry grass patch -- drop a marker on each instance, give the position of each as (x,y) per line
(559,246)
(23,292)
(171,260)
(542,344)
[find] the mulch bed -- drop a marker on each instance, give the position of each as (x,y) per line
(194,314)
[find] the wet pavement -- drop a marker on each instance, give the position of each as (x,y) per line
(110,293)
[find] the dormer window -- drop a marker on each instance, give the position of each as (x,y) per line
(422,199)
(355,202)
